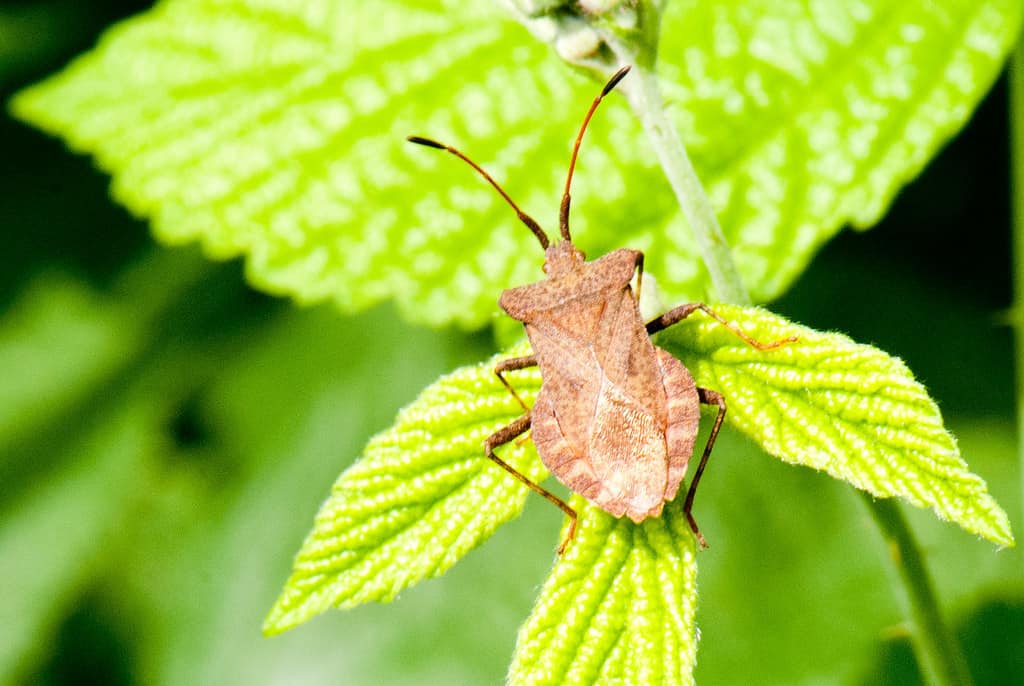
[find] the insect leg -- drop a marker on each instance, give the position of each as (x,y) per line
(707,397)
(680,313)
(507,434)
(510,365)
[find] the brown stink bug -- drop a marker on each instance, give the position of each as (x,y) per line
(616,417)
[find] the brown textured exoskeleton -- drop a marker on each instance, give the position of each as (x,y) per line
(616,417)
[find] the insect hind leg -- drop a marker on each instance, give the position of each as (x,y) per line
(507,434)
(707,397)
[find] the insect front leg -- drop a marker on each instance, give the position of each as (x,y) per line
(509,433)
(706,397)
(510,365)
(677,314)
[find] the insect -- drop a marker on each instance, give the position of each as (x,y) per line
(616,417)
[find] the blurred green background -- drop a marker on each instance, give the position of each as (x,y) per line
(167,434)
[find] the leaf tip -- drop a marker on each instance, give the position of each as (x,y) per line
(1001,534)
(279,620)
(21,106)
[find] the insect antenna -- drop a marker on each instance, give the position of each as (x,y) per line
(563,214)
(523,217)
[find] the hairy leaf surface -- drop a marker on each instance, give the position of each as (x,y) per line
(848,409)
(618,608)
(422,496)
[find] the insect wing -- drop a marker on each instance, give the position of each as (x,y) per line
(628,453)
(594,426)
(571,377)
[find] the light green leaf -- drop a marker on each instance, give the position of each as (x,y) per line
(848,409)
(802,117)
(275,130)
(618,608)
(422,496)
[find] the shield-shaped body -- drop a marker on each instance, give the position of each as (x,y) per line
(616,417)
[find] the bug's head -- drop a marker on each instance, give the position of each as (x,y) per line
(562,257)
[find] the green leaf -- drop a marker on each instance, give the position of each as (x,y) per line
(848,409)
(618,608)
(276,131)
(279,133)
(422,496)
(801,118)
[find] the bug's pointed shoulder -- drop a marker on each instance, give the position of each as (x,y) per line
(608,274)
(563,263)
(526,302)
(517,302)
(618,265)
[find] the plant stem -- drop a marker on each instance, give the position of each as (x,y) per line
(645,98)
(1017,179)
(938,653)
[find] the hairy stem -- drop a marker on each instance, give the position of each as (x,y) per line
(1017,173)
(938,653)
(645,98)
(638,47)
